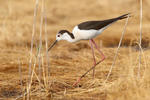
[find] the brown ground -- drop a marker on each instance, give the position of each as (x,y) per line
(69,61)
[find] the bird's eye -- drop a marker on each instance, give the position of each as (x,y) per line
(58,35)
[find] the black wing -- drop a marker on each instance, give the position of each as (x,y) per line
(99,24)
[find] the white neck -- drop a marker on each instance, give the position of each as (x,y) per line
(69,39)
(76,34)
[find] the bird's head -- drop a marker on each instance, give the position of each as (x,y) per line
(62,35)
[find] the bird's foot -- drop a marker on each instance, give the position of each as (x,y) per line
(76,82)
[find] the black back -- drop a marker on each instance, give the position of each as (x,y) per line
(99,24)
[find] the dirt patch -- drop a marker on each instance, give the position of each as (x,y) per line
(9,91)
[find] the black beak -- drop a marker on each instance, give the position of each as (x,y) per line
(52,46)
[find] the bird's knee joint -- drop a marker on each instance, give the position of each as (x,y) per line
(103,58)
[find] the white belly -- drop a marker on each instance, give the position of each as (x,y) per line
(86,34)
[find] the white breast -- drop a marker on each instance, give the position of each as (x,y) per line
(85,34)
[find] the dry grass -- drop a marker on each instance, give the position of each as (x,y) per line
(69,61)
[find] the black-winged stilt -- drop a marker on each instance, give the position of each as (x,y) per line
(87,31)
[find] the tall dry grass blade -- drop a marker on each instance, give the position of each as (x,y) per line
(144,58)
(31,52)
(44,73)
(42,59)
(34,73)
(47,67)
(116,54)
(140,41)
(46,45)
(40,38)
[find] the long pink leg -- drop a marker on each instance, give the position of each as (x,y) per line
(93,57)
(103,57)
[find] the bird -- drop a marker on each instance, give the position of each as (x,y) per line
(87,30)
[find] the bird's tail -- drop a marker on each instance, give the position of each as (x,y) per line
(124,16)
